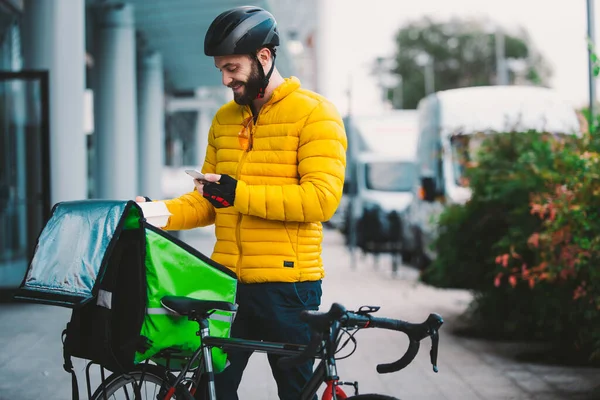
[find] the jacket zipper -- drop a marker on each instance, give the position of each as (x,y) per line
(239,222)
(237,176)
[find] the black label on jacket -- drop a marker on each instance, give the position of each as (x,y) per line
(288,264)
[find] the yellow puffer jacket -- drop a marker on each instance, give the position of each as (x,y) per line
(290,168)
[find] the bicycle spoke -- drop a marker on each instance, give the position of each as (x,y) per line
(127,392)
(127,389)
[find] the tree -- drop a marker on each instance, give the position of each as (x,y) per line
(462,53)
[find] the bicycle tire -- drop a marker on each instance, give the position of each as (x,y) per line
(117,381)
(372,397)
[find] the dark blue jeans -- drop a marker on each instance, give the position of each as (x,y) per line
(270,312)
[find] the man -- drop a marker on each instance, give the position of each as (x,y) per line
(274,170)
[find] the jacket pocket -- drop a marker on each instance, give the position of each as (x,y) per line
(308,294)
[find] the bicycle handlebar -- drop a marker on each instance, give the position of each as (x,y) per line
(320,324)
(415,333)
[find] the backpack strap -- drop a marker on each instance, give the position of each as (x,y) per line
(68,366)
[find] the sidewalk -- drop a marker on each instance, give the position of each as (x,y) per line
(31,359)
(468,368)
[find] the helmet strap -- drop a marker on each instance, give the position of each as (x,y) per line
(265,78)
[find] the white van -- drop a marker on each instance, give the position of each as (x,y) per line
(384,192)
(454,122)
(389,135)
(381,171)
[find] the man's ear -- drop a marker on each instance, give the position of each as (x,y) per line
(264,55)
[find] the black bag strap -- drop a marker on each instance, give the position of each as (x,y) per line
(68,366)
(110,276)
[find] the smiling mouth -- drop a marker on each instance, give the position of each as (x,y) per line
(236,87)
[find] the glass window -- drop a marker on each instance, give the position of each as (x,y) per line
(464,154)
(390,176)
(24,186)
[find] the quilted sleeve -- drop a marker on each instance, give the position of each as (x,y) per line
(321,166)
(192,210)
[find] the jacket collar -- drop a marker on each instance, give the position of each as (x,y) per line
(288,86)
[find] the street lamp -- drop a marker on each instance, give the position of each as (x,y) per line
(388,80)
(501,64)
(591,78)
(426,61)
(398,94)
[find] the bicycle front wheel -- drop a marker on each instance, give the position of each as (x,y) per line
(154,382)
(372,397)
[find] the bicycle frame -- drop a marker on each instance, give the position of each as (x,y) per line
(326,327)
(317,378)
(326,371)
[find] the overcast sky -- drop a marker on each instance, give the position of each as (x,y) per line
(357,31)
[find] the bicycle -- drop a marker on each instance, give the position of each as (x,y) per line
(195,380)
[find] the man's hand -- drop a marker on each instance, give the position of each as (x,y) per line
(218,189)
(199,184)
(142,199)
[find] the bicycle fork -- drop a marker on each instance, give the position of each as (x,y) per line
(333,391)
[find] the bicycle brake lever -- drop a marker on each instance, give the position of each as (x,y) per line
(363,310)
(433,353)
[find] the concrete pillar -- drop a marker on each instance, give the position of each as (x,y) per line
(202,127)
(115,108)
(53,39)
(177,152)
(151,125)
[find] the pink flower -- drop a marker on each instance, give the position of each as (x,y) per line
(579,292)
(498,281)
(534,240)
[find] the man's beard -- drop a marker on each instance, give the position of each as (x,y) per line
(250,88)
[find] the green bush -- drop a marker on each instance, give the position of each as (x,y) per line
(502,182)
(567,247)
(528,241)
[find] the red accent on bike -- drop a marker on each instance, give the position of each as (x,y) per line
(367,324)
(170,394)
(328,393)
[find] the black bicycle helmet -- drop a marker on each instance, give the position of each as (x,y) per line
(241,30)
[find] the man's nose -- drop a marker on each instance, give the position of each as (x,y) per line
(226,79)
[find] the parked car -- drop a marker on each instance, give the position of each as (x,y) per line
(383,194)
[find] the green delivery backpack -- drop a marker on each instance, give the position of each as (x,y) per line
(103,260)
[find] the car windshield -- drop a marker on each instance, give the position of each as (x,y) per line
(464,153)
(390,176)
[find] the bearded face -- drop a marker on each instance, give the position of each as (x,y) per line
(242,74)
(246,91)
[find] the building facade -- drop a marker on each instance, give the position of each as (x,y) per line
(99,97)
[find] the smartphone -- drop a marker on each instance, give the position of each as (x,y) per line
(195,174)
